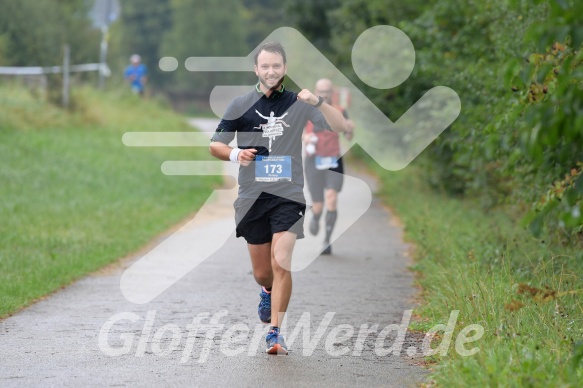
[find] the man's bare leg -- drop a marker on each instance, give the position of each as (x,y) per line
(261,263)
(317,207)
(282,249)
(331,200)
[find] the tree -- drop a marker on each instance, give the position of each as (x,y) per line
(33,33)
(202,28)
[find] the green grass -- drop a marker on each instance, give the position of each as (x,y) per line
(73,197)
(482,264)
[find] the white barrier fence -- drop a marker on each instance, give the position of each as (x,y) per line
(37,70)
(66,70)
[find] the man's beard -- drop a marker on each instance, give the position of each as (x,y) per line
(274,87)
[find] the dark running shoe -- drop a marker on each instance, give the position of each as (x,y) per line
(264,308)
(327,250)
(275,342)
(314,226)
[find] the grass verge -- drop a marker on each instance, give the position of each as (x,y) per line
(526,293)
(74,198)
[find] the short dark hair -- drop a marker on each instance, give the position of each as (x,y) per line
(272,47)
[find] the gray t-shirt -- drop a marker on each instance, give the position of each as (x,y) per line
(273,126)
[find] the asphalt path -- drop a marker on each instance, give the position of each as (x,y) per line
(204,330)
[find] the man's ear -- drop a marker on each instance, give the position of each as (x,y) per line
(256,70)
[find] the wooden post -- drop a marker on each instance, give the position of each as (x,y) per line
(66,72)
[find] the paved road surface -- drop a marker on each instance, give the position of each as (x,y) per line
(65,340)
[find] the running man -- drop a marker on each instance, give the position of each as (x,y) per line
(136,73)
(324,168)
(270,207)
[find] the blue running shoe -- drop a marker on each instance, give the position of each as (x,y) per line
(275,342)
(264,308)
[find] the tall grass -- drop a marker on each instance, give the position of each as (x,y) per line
(526,293)
(73,197)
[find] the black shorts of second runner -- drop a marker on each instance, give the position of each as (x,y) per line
(319,180)
(259,219)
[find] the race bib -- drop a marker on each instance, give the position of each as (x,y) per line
(273,168)
(326,162)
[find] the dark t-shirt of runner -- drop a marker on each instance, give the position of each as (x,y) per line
(273,126)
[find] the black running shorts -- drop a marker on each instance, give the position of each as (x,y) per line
(319,180)
(258,219)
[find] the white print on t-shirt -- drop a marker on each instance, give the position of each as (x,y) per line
(273,127)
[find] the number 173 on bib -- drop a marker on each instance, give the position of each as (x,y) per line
(272,168)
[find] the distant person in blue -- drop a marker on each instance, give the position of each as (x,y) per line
(136,74)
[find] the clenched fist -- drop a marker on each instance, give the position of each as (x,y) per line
(245,157)
(308,97)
